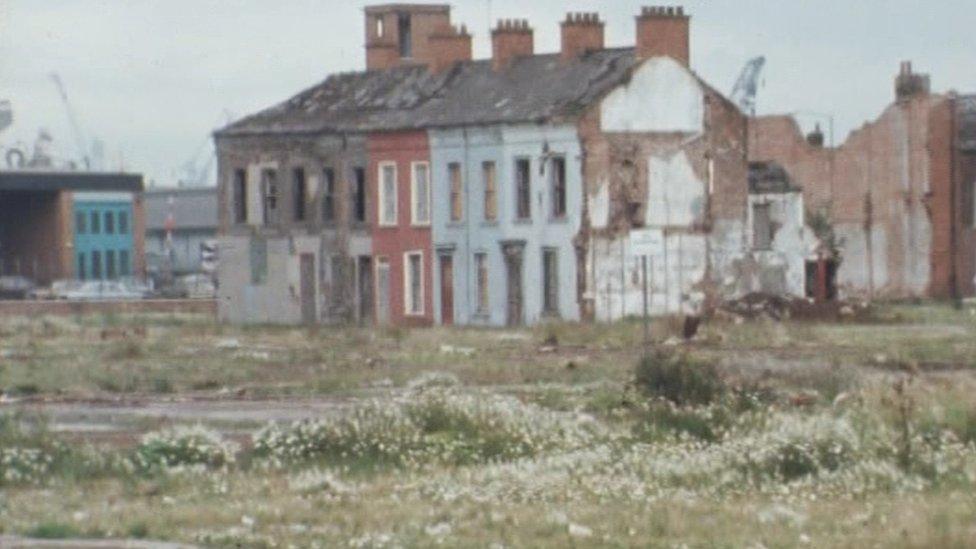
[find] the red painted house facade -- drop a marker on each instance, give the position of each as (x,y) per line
(400,180)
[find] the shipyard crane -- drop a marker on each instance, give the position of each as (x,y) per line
(79,137)
(195,171)
(747,85)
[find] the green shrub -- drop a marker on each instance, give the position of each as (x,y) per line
(183,446)
(53,530)
(679,378)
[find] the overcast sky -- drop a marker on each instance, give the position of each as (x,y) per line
(152,78)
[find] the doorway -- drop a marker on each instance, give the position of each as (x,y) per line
(382,291)
(307,284)
(447,290)
(513,252)
(366,307)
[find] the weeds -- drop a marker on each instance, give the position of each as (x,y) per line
(679,378)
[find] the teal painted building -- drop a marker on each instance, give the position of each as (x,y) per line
(103,236)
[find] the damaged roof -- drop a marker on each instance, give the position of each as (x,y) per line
(770,178)
(532,89)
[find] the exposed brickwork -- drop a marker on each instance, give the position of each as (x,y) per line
(448,46)
(510,39)
(664,31)
(581,32)
(383,52)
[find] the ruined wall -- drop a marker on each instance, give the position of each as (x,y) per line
(343,238)
(666,177)
(470,148)
(781,268)
(883,189)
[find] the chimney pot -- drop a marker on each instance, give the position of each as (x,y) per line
(511,38)
(581,32)
(664,31)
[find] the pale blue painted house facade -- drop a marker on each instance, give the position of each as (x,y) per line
(508,268)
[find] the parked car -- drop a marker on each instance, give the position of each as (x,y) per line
(15,287)
(99,290)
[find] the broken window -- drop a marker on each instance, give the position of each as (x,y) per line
(125,269)
(405,35)
(96,265)
(762,229)
(81,266)
(259,261)
(491,195)
(80,223)
(123,223)
(454,172)
(550,281)
(420,194)
(328,195)
(298,193)
(359,195)
(240,196)
(110,270)
(558,178)
(109,223)
(388,195)
(523,190)
(414,283)
(269,187)
(96,223)
(481,267)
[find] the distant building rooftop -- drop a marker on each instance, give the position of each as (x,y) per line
(38,180)
(194,208)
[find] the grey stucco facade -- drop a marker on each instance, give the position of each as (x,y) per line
(504,145)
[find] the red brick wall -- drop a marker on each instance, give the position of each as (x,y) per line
(402,148)
(447,47)
(581,33)
(509,40)
(664,35)
(383,52)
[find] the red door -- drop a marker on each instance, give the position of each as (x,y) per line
(447,290)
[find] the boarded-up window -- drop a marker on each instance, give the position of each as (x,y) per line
(414,283)
(240,196)
(454,173)
(420,193)
(259,261)
(328,195)
(762,229)
(269,189)
(491,194)
(481,267)
(550,281)
(523,189)
(558,182)
(359,195)
(298,193)
(388,194)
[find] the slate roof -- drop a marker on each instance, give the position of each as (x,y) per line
(770,178)
(192,208)
(532,89)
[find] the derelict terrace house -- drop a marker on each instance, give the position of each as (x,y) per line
(433,188)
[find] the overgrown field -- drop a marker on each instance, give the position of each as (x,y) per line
(758,434)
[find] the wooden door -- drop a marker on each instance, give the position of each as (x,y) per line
(447,290)
(307,283)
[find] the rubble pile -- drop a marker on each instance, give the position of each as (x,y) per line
(782,307)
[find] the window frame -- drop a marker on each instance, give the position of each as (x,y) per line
(329,194)
(408,283)
(94,222)
(414,220)
(96,265)
(558,194)
(519,162)
(239,196)
(269,196)
(359,196)
(109,222)
(125,263)
(550,273)
(381,191)
(455,179)
(122,222)
(299,190)
(490,188)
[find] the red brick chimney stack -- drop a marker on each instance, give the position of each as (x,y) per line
(581,32)
(510,39)
(910,84)
(448,45)
(664,31)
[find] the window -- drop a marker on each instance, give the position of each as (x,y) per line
(420,193)
(558,179)
(123,223)
(481,267)
(109,223)
(240,196)
(259,260)
(110,270)
(81,266)
(762,230)
(523,191)
(298,193)
(414,283)
(96,264)
(404,31)
(491,195)
(328,195)
(96,223)
(388,195)
(359,195)
(125,269)
(550,281)
(454,174)
(269,188)
(80,223)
